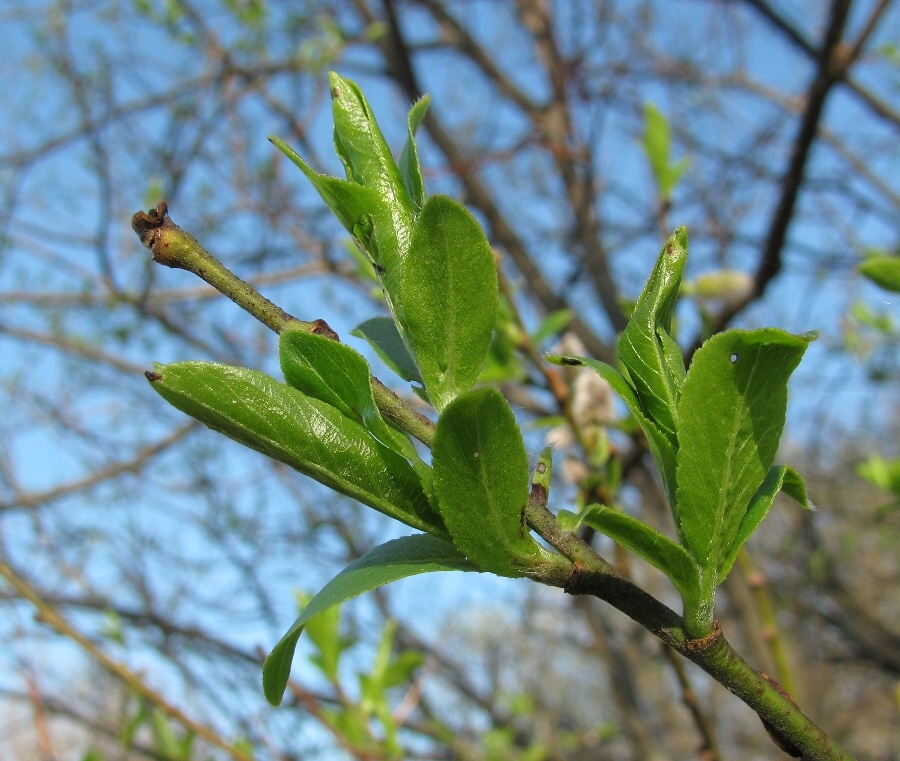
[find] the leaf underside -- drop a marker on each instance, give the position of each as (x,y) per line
(391,561)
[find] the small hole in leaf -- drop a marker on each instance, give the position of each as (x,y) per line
(733,358)
(475,455)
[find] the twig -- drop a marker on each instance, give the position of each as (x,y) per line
(709,751)
(50,616)
(578,569)
(32,500)
(877,106)
(503,233)
(832,65)
(771,632)
(174,247)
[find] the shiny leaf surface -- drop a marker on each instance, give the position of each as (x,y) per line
(481,482)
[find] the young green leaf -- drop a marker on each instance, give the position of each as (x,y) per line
(884,271)
(552,325)
(374,687)
(481,483)
(648,353)
(306,434)
(166,743)
(351,203)
(382,335)
(732,412)
(446,303)
(377,228)
(409,157)
(779,478)
(327,370)
(567,520)
(338,375)
(388,562)
(324,632)
(363,150)
(885,474)
(657,146)
(654,547)
(504,362)
(660,446)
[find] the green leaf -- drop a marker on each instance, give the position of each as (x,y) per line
(381,232)
(732,412)
(401,669)
(329,371)
(324,632)
(567,520)
(885,474)
(363,149)
(503,362)
(382,335)
(374,686)
(306,434)
(338,375)
(650,356)
(372,683)
(793,486)
(552,325)
(166,743)
(351,203)
(657,146)
(884,271)
(660,446)
(391,561)
(481,483)
(446,305)
(409,157)
(656,548)
(779,478)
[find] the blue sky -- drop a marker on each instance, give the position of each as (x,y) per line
(58,212)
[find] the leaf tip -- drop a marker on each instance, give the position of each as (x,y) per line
(680,239)
(277,667)
(273,686)
(343,90)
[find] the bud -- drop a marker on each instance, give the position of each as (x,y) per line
(729,287)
